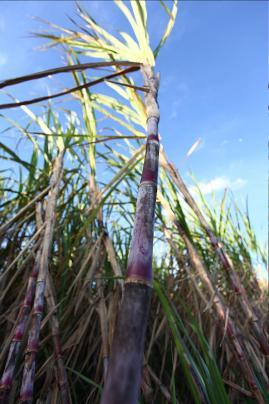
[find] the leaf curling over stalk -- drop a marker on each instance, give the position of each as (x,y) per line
(125,363)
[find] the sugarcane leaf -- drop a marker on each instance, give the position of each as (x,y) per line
(170,25)
(14,156)
(64,69)
(70,90)
(181,349)
(85,378)
(138,24)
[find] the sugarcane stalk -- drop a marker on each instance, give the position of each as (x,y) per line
(23,316)
(220,309)
(223,257)
(55,329)
(125,362)
(8,373)
(102,313)
(26,393)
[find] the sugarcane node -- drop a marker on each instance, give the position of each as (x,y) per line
(32,348)
(145,182)
(18,335)
(153,137)
(137,279)
(38,309)
(4,384)
(149,177)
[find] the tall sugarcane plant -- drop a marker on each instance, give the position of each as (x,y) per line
(81,243)
(125,366)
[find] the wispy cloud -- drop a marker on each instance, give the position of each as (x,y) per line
(181,91)
(3,59)
(218,184)
(174,109)
(226,141)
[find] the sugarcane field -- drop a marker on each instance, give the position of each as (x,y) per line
(133,202)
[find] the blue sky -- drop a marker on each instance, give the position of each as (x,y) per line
(213,85)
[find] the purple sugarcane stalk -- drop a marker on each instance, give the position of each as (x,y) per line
(125,364)
(8,374)
(26,393)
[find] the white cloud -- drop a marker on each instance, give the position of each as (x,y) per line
(3,59)
(182,91)
(174,109)
(219,184)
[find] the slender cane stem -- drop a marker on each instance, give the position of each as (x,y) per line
(55,329)
(26,393)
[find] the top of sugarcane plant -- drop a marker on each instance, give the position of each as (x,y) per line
(96,42)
